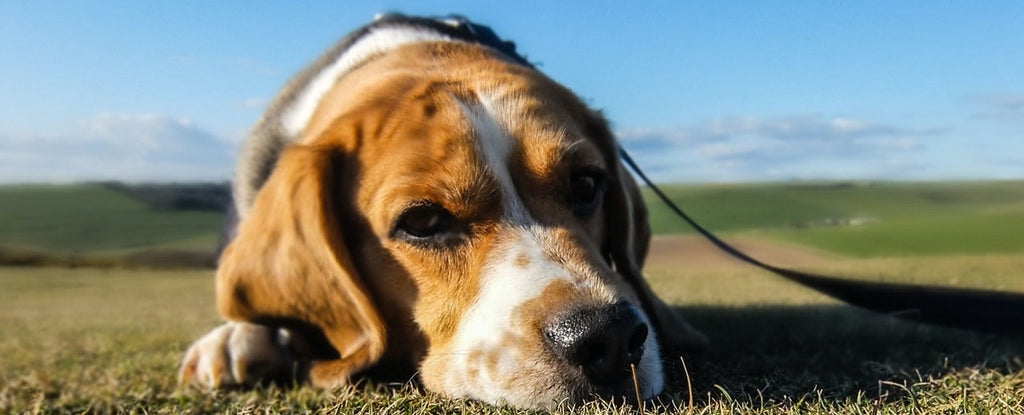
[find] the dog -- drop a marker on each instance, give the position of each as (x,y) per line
(422,200)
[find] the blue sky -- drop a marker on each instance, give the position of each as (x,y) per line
(699,91)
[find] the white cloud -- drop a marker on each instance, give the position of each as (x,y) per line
(999,106)
(130,147)
(257,103)
(804,147)
(255,65)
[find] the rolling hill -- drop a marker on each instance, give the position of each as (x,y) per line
(107,220)
(860,219)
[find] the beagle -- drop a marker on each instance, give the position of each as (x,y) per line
(422,200)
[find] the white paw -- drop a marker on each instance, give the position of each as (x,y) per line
(236,354)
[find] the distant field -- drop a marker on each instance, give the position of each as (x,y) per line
(859,219)
(852,219)
(93,220)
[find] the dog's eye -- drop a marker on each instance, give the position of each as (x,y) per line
(428,223)
(586,189)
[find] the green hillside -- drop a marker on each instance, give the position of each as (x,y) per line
(95,218)
(861,219)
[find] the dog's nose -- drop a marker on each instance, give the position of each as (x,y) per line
(603,341)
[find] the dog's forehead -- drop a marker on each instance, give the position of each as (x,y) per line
(533,131)
(468,141)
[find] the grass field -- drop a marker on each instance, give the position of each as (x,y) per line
(92,218)
(106,341)
(860,219)
(95,223)
(855,219)
(90,340)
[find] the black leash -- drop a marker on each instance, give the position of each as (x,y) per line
(973,309)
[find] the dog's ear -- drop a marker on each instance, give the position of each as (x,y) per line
(289,263)
(628,235)
(628,223)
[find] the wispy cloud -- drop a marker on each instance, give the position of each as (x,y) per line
(255,65)
(255,103)
(129,147)
(999,106)
(753,148)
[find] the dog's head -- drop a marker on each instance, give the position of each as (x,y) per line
(465,214)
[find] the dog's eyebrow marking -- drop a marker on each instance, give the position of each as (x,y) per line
(379,40)
(491,129)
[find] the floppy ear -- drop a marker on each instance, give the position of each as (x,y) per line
(627,220)
(289,263)
(628,234)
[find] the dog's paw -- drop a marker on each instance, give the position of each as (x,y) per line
(237,355)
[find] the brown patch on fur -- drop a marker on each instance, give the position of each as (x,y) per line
(558,297)
(523,261)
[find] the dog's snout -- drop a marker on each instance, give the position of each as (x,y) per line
(603,341)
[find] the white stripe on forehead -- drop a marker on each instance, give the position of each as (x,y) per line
(491,123)
(374,43)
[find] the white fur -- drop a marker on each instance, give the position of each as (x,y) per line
(236,353)
(372,44)
(494,143)
(506,285)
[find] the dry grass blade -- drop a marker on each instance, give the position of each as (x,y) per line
(689,385)
(636,387)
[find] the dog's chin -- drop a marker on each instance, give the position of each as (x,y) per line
(544,385)
(566,392)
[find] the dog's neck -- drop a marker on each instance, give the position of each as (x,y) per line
(386,33)
(376,42)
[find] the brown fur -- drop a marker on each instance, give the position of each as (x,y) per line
(315,246)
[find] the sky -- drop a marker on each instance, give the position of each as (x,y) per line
(717,91)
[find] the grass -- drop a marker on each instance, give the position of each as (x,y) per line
(89,340)
(860,219)
(927,234)
(109,341)
(95,219)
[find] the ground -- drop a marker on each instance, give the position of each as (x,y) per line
(87,340)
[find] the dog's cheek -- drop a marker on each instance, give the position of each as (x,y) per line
(510,373)
(511,365)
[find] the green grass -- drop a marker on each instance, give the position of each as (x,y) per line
(90,218)
(109,341)
(895,219)
(930,234)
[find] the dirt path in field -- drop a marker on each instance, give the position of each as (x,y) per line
(696,252)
